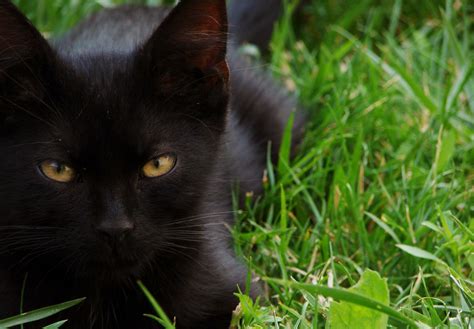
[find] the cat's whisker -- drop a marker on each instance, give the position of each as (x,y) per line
(30,257)
(177,245)
(50,124)
(200,220)
(30,227)
(66,259)
(182,239)
(211,213)
(32,143)
(172,250)
(22,244)
(190,232)
(29,240)
(208,224)
(23,239)
(196,227)
(31,71)
(57,265)
(73,262)
(199,217)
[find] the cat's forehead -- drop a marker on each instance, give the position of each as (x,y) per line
(101,73)
(108,121)
(109,127)
(101,90)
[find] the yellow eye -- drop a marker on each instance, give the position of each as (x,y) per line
(57,171)
(159,166)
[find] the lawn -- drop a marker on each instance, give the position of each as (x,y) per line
(384,179)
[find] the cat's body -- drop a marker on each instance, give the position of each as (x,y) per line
(108,98)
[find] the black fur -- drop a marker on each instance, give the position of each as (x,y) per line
(252,21)
(118,90)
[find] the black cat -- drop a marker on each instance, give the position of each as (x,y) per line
(120,144)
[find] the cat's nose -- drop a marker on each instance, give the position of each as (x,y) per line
(115,231)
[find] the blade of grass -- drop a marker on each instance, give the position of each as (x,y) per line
(165,321)
(285,148)
(56,325)
(459,85)
(419,253)
(40,314)
(394,70)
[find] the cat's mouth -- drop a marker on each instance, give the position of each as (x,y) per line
(119,262)
(116,260)
(116,267)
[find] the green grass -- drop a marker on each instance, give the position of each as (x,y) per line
(384,179)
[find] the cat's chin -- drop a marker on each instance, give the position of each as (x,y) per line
(115,267)
(112,272)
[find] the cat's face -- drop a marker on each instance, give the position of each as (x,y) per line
(105,159)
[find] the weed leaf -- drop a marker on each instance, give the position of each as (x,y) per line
(348,315)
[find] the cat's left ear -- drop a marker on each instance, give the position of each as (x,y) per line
(25,56)
(191,43)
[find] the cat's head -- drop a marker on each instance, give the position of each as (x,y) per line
(105,158)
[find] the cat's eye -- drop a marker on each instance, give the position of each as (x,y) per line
(57,171)
(159,166)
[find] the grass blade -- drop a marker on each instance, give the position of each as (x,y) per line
(419,253)
(459,85)
(285,148)
(164,319)
(56,325)
(40,314)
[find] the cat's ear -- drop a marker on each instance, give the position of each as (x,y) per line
(24,55)
(191,42)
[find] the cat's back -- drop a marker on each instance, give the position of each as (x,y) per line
(117,30)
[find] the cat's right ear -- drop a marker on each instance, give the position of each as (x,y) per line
(189,49)
(25,56)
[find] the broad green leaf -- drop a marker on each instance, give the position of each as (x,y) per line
(348,315)
(40,314)
(346,296)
